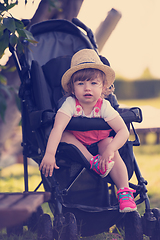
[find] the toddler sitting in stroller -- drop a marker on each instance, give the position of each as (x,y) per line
(85,82)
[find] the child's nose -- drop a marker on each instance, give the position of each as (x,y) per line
(87,85)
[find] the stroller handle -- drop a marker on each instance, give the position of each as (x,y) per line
(86,124)
(89,32)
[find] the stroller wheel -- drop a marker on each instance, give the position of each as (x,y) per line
(133,226)
(67,230)
(44,230)
(156,231)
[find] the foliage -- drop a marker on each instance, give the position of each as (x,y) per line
(12,33)
(12,30)
(5,91)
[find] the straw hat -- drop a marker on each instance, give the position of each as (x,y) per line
(87,58)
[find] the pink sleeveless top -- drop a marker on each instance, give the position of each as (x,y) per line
(93,136)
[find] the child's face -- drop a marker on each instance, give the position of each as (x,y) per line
(88,91)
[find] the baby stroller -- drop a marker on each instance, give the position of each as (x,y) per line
(82,202)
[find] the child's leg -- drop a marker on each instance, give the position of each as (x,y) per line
(119,172)
(71,139)
(119,175)
(93,160)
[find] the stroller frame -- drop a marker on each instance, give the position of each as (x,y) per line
(40,121)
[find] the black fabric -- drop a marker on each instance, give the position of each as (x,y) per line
(60,25)
(39,86)
(55,38)
(89,189)
(53,71)
(113,100)
(127,155)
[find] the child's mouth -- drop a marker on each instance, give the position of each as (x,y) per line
(88,95)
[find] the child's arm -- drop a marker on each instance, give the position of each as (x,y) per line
(122,134)
(48,162)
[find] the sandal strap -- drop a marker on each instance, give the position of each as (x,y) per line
(125,190)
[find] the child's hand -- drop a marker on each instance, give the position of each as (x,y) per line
(48,164)
(105,158)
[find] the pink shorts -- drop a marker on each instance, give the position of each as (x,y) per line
(90,137)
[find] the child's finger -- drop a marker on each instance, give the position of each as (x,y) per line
(40,167)
(56,167)
(51,171)
(43,168)
(100,163)
(103,164)
(46,171)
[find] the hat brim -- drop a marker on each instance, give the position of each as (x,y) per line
(108,71)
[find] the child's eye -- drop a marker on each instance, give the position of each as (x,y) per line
(94,83)
(80,83)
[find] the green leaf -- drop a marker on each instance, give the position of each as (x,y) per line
(10,6)
(12,69)
(9,23)
(2,27)
(2,7)
(3,107)
(32,41)
(21,33)
(5,6)
(6,1)
(3,79)
(3,67)
(20,47)
(4,42)
(18,24)
(29,35)
(13,40)
(26,35)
